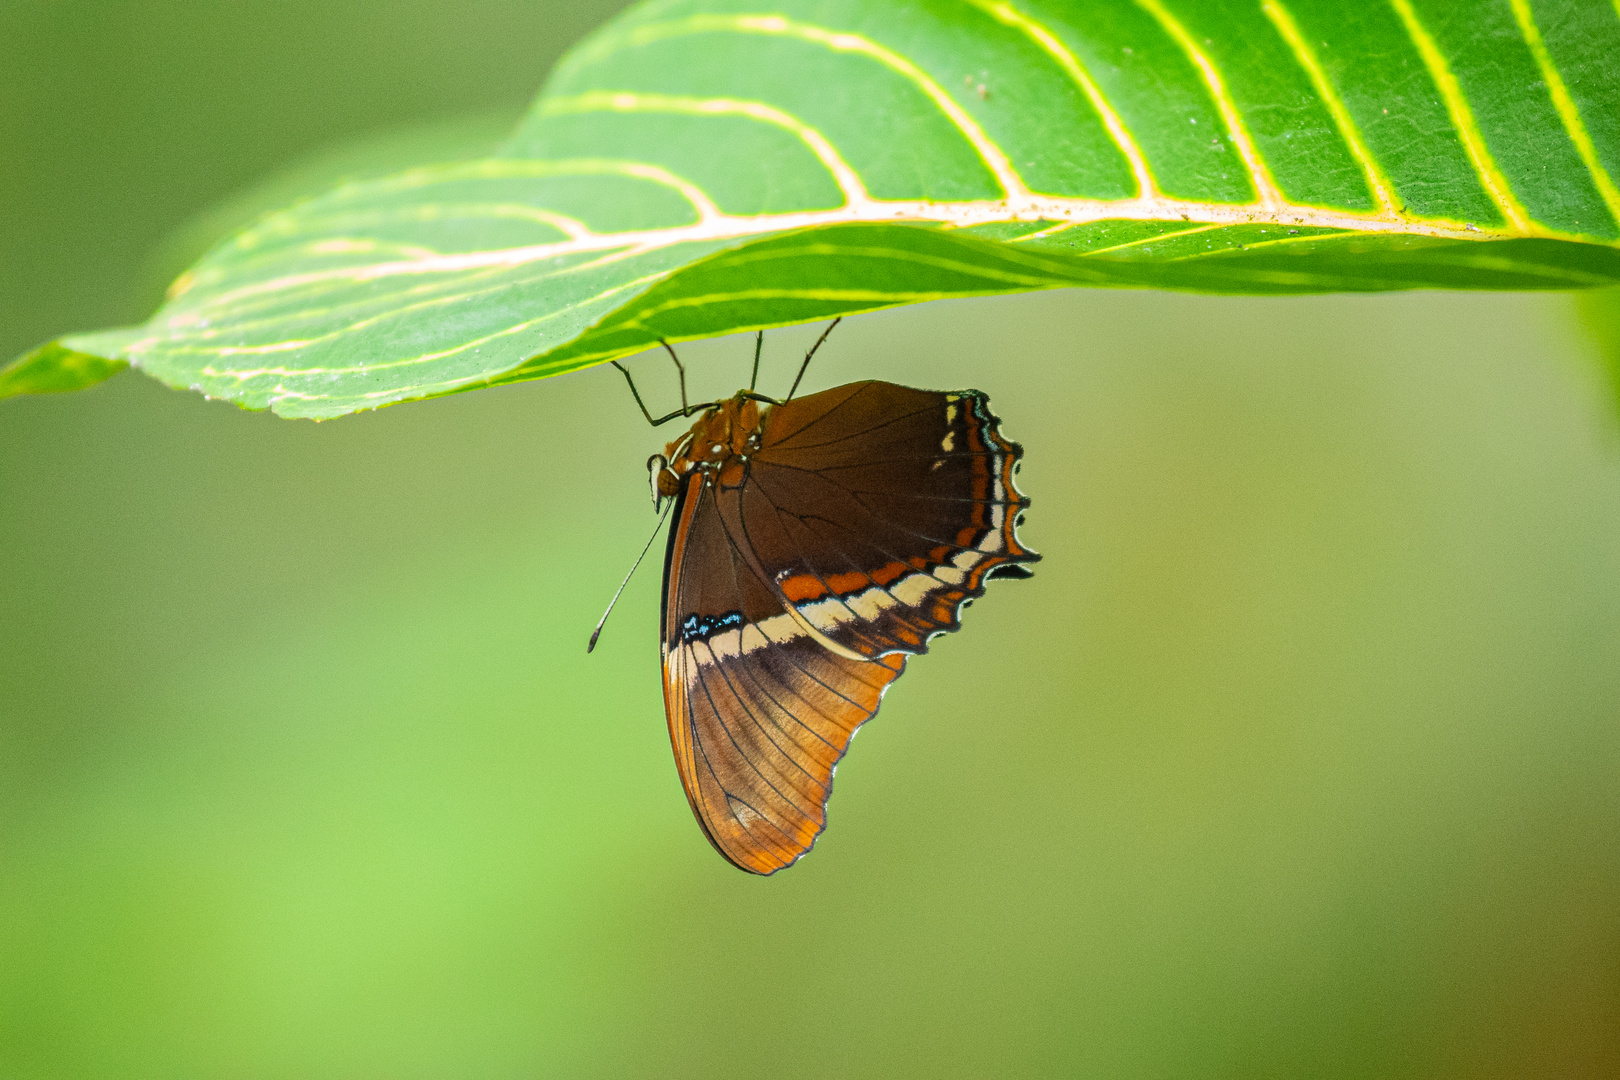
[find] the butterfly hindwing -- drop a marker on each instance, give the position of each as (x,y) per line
(759,712)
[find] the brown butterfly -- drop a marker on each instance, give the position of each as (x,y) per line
(816,544)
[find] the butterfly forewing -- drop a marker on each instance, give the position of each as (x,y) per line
(796,584)
(877,510)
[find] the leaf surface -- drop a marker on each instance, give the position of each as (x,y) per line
(698,168)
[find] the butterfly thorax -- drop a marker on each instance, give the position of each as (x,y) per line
(717,446)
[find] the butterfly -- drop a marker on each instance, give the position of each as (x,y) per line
(817,542)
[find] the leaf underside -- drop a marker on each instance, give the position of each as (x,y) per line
(694,169)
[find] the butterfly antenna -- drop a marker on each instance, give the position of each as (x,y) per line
(758,343)
(811,353)
(685,411)
(598,631)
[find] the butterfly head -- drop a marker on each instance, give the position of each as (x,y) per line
(717,445)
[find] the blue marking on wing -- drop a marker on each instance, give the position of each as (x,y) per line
(703,627)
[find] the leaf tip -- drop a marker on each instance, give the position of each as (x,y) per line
(53,368)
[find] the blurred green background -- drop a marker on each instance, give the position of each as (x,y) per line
(1297,758)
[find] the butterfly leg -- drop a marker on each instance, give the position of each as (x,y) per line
(759,342)
(634,393)
(685,409)
(811,353)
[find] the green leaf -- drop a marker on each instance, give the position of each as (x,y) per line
(54,368)
(698,168)
(375,155)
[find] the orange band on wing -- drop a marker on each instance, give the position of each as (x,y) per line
(801,587)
